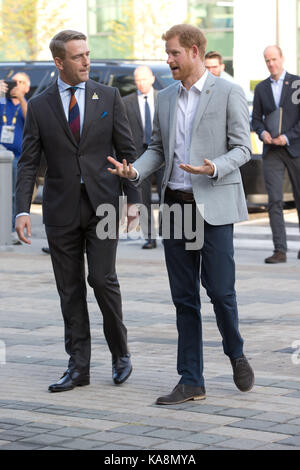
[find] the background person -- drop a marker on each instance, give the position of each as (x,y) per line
(77,122)
(140,107)
(202,140)
(12,118)
(282,151)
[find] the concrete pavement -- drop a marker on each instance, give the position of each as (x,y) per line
(107,417)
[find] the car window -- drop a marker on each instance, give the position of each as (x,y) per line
(99,73)
(124,81)
(164,78)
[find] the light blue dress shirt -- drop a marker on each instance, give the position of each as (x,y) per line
(65,95)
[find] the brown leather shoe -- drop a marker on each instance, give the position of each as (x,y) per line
(182,393)
(277,257)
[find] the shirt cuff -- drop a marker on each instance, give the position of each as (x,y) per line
(137,175)
(215,172)
(287,140)
(22,213)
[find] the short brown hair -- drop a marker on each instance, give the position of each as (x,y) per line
(214,55)
(188,36)
(57,44)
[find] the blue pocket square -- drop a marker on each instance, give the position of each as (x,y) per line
(103,115)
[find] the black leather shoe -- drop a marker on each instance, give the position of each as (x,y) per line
(121,369)
(70,380)
(243,374)
(182,393)
(45,249)
(149,245)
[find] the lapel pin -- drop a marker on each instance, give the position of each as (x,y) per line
(95,96)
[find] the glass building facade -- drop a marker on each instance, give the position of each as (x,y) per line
(107,20)
(215,19)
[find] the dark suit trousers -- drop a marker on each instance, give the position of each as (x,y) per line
(274,164)
(216,262)
(147,224)
(67,246)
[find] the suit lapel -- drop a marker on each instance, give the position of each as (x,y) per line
(136,109)
(94,107)
(205,97)
(55,103)
(285,88)
(269,93)
(172,119)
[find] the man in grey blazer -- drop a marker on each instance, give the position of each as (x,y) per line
(140,107)
(201,133)
(77,122)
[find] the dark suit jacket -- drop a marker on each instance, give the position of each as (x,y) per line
(135,120)
(264,104)
(105,130)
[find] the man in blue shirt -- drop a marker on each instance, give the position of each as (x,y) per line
(12,118)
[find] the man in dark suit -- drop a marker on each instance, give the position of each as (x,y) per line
(282,151)
(77,122)
(140,111)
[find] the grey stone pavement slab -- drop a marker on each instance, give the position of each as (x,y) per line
(106,417)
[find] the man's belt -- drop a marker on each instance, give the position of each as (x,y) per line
(179,195)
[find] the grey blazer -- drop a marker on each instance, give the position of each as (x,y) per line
(221,133)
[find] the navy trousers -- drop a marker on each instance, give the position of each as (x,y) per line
(214,265)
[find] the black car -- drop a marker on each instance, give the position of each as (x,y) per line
(120,74)
(113,73)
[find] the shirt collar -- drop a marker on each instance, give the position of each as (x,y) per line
(281,78)
(63,86)
(198,85)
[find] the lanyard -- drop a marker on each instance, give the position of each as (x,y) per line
(14,119)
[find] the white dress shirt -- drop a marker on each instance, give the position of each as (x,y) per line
(276,86)
(188,102)
(187,105)
(141,102)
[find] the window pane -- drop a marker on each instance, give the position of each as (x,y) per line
(208,15)
(221,41)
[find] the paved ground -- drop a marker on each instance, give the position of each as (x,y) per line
(104,416)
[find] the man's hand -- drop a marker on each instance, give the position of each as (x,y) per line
(132,217)
(3,87)
(23,224)
(206,169)
(267,138)
(15,92)
(131,211)
(280,140)
(122,169)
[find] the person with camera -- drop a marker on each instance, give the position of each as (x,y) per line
(13,111)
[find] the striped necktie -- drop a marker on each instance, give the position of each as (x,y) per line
(74,115)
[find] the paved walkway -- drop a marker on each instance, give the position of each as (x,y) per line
(104,416)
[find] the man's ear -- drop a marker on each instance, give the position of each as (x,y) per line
(59,63)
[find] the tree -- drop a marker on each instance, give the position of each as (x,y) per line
(141,24)
(26,25)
